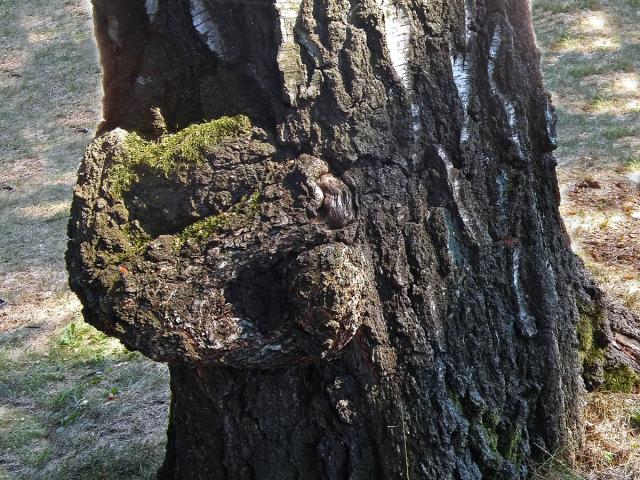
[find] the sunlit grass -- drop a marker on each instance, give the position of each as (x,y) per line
(71,385)
(628,84)
(632,162)
(595,21)
(591,62)
(601,101)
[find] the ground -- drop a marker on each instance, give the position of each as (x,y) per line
(73,403)
(76,405)
(591,62)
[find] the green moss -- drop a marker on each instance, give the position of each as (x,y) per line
(204,229)
(493,438)
(513,451)
(491,419)
(634,419)
(158,124)
(585,333)
(489,424)
(240,214)
(172,154)
(455,399)
(121,176)
(138,239)
(620,379)
(591,319)
(594,357)
(505,441)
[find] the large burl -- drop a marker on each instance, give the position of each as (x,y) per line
(211,246)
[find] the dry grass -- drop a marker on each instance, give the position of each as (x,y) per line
(612,442)
(612,450)
(591,60)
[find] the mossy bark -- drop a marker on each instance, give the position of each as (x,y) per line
(609,342)
(404,303)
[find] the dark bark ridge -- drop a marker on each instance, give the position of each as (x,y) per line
(373,280)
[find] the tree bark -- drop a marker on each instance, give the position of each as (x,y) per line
(372,279)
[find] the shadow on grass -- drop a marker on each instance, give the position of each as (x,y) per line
(49,82)
(74,404)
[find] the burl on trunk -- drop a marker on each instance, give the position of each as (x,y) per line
(337,221)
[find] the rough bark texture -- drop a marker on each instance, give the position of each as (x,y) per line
(371,281)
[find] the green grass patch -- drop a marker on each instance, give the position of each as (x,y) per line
(589,4)
(632,162)
(71,387)
(600,101)
(620,65)
(567,40)
(621,131)
(19,429)
(80,343)
(586,70)
(115,462)
(600,66)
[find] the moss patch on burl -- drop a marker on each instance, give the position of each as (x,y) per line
(173,153)
(592,355)
(591,319)
(621,379)
(240,214)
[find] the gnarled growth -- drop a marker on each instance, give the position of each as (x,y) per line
(252,249)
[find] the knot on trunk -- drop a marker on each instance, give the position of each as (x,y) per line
(327,286)
(331,200)
(204,246)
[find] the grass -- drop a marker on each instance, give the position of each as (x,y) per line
(554,467)
(75,384)
(74,404)
(623,131)
(612,449)
(57,399)
(597,95)
(632,162)
(591,64)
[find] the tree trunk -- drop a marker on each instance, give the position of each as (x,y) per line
(359,269)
